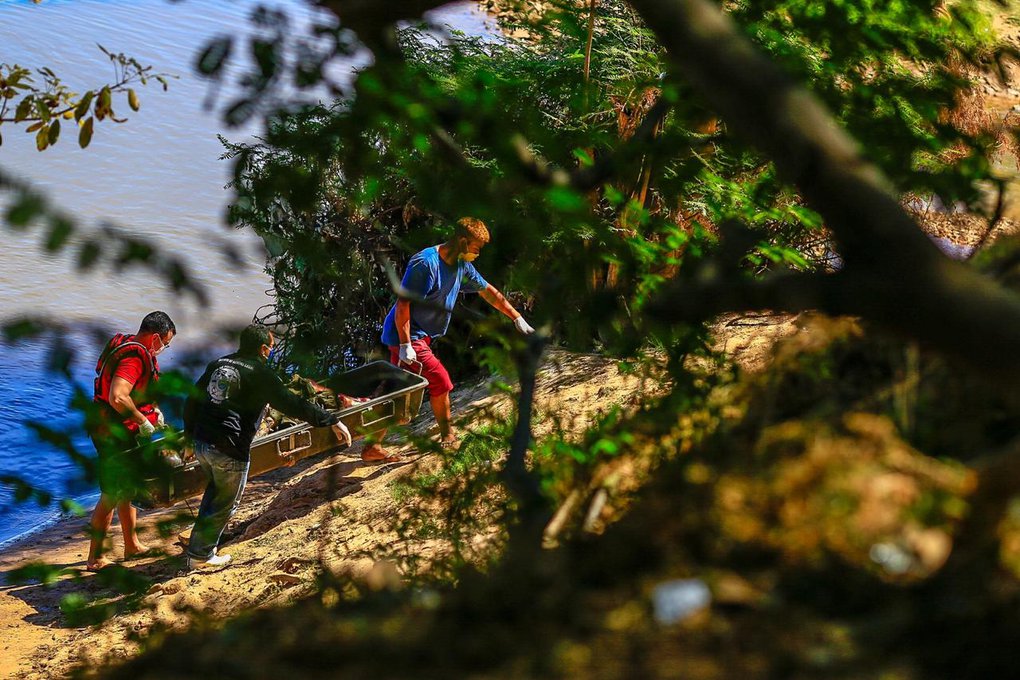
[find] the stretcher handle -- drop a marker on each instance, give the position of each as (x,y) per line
(294,445)
(421,366)
(369,423)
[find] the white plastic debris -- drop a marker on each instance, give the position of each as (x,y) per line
(891,557)
(676,600)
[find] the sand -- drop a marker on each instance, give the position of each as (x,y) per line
(285,531)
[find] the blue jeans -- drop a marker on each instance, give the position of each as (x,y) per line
(227,477)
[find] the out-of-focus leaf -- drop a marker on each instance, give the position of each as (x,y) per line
(60,230)
(24,210)
(240,112)
(54,132)
(88,255)
(40,572)
(18,330)
(133,100)
(214,56)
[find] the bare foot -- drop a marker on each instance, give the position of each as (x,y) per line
(97,564)
(450,441)
(377,454)
(136,549)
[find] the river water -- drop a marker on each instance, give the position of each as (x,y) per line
(159,175)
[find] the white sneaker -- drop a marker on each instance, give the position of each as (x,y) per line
(213,562)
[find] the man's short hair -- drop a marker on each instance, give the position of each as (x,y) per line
(157,322)
(472,228)
(252,339)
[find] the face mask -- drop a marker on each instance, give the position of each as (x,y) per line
(272,353)
(158,346)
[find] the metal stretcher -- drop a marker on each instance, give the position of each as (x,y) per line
(394,397)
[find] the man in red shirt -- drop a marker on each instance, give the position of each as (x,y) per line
(126,368)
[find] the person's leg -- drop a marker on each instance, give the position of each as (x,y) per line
(440,387)
(373,452)
(128,522)
(222,497)
(99,525)
(441,409)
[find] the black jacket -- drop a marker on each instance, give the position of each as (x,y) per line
(233,393)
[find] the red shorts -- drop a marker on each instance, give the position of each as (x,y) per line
(432,368)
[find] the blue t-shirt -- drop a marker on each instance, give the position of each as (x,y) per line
(438,284)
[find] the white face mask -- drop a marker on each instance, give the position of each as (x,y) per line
(158,346)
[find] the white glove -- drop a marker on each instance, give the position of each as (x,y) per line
(407,354)
(342,433)
(523,326)
(160,421)
(146,429)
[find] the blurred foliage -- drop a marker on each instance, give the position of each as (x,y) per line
(441,127)
(450,503)
(763,484)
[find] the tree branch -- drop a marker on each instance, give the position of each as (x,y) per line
(518,480)
(912,288)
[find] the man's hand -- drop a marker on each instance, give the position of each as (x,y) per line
(146,429)
(407,354)
(342,433)
(523,326)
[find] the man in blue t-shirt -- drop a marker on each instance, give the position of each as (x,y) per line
(436,276)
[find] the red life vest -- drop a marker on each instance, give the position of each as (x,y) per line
(117,349)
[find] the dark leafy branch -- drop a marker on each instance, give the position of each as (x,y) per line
(900,279)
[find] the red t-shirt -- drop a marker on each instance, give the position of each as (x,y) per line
(130,368)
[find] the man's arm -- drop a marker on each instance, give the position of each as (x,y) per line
(294,406)
(402,318)
(120,400)
(492,295)
(282,399)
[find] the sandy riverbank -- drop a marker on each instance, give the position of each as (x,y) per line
(286,528)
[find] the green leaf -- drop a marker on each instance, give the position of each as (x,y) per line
(42,109)
(88,254)
(613,195)
(41,572)
(85,134)
(72,508)
(54,132)
(239,112)
(14,331)
(105,99)
(583,157)
(213,57)
(60,230)
(566,200)
(24,109)
(133,100)
(42,139)
(26,209)
(83,106)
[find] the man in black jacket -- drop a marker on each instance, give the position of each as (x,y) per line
(223,418)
